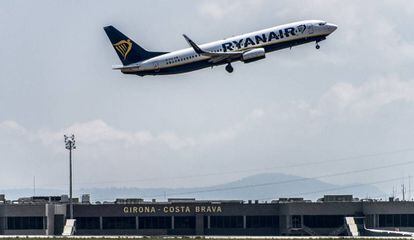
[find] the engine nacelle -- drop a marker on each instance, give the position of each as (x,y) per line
(253,55)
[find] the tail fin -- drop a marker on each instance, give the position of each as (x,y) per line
(128,51)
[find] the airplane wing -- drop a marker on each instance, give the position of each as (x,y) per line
(215,56)
(400,233)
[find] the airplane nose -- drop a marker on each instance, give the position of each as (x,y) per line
(332,27)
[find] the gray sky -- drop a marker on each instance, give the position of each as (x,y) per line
(355,96)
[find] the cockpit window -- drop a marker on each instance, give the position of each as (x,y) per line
(322,24)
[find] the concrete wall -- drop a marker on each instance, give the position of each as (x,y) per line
(388,207)
(320,208)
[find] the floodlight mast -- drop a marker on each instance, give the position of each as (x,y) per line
(70,145)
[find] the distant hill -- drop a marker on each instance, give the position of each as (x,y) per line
(261,187)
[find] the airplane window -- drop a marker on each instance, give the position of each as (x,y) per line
(322,24)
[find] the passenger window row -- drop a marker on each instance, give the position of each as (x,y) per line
(177,59)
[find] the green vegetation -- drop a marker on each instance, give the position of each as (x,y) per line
(191,238)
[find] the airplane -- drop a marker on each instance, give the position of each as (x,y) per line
(246,48)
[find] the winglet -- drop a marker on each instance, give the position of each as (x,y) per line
(196,48)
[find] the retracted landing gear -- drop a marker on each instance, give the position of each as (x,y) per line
(229,68)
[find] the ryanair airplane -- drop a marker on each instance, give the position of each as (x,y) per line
(247,48)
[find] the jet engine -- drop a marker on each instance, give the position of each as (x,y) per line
(253,55)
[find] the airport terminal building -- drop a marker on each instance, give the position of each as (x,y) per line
(282,217)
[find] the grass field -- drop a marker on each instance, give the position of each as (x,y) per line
(188,238)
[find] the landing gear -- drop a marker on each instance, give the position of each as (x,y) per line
(317,45)
(229,68)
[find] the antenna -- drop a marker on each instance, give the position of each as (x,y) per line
(403,191)
(393,191)
(409,188)
(34,186)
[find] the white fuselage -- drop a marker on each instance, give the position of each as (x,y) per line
(267,38)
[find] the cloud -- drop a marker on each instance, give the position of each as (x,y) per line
(351,100)
(221,9)
(99,132)
(342,101)
(12,127)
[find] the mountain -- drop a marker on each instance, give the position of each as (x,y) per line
(264,186)
(257,187)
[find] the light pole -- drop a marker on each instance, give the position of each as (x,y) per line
(70,145)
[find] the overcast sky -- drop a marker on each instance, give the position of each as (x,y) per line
(354,96)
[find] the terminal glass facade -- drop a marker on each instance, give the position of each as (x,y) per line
(119,222)
(226,221)
(396,220)
(184,222)
(20,223)
(154,222)
(262,221)
(323,221)
(88,223)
